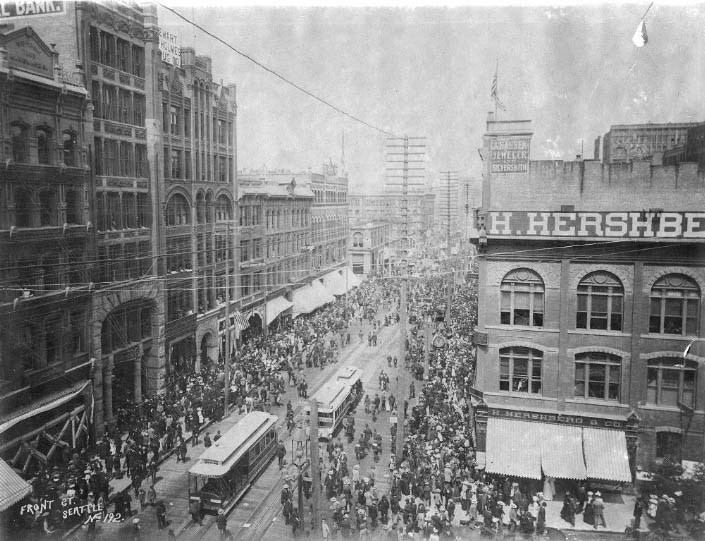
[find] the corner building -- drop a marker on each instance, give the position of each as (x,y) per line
(591,280)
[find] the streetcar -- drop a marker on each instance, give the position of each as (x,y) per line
(351,375)
(335,400)
(226,470)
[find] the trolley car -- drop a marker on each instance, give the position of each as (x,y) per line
(335,400)
(226,470)
(351,375)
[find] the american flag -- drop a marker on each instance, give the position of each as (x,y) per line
(493,94)
(240,321)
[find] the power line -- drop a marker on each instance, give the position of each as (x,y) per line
(278,75)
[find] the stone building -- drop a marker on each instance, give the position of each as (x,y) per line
(627,142)
(588,298)
(47,247)
(199,135)
(370,249)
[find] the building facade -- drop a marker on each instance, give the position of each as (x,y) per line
(198,120)
(588,299)
(370,251)
(627,142)
(47,242)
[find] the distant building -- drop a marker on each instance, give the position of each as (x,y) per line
(627,142)
(370,248)
(591,280)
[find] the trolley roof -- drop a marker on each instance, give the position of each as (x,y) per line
(332,394)
(349,374)
(220,457)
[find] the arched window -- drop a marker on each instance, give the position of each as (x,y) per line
(69,148)
(201,208)
(43,145)
(357,240)
(73,207)
(600,296)
(675,303)
(597,375)
(47,208)
(18,137)
(223,209)
(23,208)
(522,300)
(670,381)
(520,370)
(177,210)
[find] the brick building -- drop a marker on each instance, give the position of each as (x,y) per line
(47,242)
(588,297)
(627,142)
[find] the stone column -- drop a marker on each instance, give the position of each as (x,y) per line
(108,393)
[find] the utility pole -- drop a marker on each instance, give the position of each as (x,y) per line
(227,332)
(315,470)
(451,179)
(405,157)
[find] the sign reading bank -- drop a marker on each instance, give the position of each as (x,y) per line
(636,225)
(22,8)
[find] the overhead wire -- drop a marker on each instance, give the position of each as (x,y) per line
(277,74)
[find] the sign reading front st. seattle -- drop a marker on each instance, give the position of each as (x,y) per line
(623,224)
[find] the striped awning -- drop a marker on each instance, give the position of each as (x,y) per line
(562,451)
(334,283)
(276,306)
(303,300)
(512,448)
(606,455)
(12,487)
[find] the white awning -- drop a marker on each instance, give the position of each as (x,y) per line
(334,283)
(51,403)
(606,455)
(276,306)
(303,300)
(12,487)
(321,295)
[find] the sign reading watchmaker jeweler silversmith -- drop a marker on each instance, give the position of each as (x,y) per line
(509,154)
(632,225)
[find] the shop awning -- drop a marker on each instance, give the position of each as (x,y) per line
(276,306)
(562,451)
(321,295)
(606,455)
(334,283)
(353,280)
(12,487)
(512,448)
(303,300)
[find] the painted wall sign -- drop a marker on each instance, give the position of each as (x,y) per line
(509,154)
(171,52)
(26,52)
(23,8)
(639,224)
(558,418)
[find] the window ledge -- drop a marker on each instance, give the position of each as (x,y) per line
(520,328)
(668,409)
(597,402)
(684,338)
(595,332)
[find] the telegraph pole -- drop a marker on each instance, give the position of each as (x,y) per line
(451,179)
(227,331)
(315,470)
(405,157)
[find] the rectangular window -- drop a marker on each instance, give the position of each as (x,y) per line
(187,165)
(222,134)
(173,120)
(123,55)
(223,170)
(167,163)
(138,61)
(95,43)
(141,161)
(98,156)
(139,108)
(97,100)
(187,123)
(175,164)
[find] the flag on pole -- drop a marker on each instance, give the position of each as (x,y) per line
(640,37)
(493,93)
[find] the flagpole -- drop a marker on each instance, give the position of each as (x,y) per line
(647,11)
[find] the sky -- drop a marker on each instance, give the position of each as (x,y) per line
(427,71)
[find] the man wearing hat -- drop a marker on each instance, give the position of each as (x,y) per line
(221,521)
(598,510)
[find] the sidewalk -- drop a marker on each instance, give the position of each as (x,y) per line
(172,478)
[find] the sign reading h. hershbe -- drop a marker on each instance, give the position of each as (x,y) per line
(639,224)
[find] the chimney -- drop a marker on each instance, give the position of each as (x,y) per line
(597,147)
